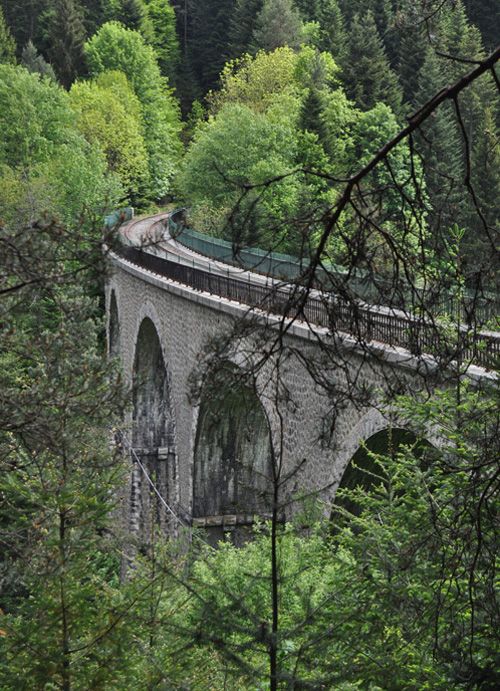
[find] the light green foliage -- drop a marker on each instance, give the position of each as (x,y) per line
(316,69)
(240,147)
(116,48)
(275,87)
(326,14)
(397,232)
(110,114)
(7,43)
(257,81)
(300,90)
(43,157)
(338,119)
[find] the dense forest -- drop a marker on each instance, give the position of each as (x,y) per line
(254,114)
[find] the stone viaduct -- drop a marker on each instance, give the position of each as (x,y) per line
(211,433)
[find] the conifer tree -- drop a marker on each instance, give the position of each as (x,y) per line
(242,25)
(411,56)
(441,148)
(65,37)
(382,10)
(479,114)
(486,181)
(209,45)
(367,74)
(7,43)
(485,14)
(34,62)
(278,24)
(93,15)
(332,35)
(130,13)
(23,19)
(164,39)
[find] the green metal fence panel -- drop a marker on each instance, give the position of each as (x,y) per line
(119,216)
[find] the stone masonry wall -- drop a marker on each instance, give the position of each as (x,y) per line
(185,320)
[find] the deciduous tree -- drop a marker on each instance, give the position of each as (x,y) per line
(115,47)
(110,114)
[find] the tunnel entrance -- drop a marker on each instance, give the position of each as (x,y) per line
(232,468)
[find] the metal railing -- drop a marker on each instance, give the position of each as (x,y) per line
(480,306)
(364,322)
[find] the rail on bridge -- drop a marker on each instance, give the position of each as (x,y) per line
(366,322)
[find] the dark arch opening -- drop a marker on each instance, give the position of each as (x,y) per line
(232,460)
(153,434)
(150,390)
(363,471)
(114,327)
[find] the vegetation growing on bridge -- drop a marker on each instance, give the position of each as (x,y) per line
(268,118)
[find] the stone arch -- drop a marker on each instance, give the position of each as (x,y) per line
(232,453)
(153,429)
(363,471)
(113,327)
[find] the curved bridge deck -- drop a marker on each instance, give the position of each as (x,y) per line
(151,249)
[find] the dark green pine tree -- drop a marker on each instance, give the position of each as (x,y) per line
(368,76)
(479,113)
(480,243)
(385,13)
(278,24)
(441,148)
(164,39)
(22,18)
(7,43)
(130,13)
(93,15)
(411,56)
(333,37)
(208,44)
(485,14)
(327,13)
(242,26)
(65,37)
(34,62)
(312,110)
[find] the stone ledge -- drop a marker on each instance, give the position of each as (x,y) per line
(229,520)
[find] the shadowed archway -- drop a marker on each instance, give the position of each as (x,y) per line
(153,432)
(232,461)
(364,472)
(114,327)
